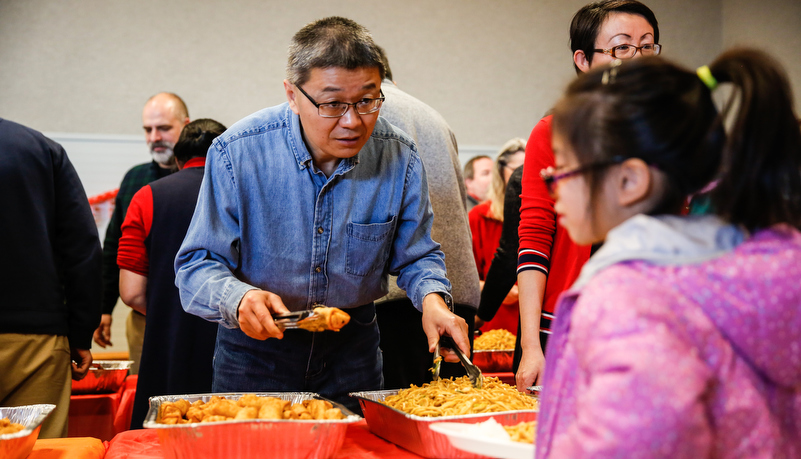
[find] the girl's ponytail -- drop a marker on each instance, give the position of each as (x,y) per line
(760,180)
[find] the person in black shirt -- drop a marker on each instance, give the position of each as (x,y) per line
(49,275)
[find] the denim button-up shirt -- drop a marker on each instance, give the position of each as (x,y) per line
(267,218)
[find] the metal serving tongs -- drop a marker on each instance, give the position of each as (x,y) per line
(319,319)
(290,320)
(535,389)
(473,372)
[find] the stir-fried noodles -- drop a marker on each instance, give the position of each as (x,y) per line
(498,339)
(454,397)
(523,432)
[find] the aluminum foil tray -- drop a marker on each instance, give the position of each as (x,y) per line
(276,439)
(492,361)
(414,432)
(20,444)
(103,377)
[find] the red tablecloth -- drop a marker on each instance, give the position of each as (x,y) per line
(102,415)
(359,444)
(68,448)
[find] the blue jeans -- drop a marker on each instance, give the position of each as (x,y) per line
(328,363)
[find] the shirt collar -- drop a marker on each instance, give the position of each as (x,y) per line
(199,161)
(302,155)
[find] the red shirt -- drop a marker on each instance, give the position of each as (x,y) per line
(544,245)
(132,253)
(486,232)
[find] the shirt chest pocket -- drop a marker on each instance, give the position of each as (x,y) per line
(368,247)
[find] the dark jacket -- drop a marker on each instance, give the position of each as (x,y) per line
(178,348)
(50,262)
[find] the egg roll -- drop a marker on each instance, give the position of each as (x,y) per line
(325,318)
(317,407)
(226,408)
(273,409)
(247,412)
(169,413)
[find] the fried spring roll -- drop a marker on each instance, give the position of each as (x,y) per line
(325,318)
(274,409)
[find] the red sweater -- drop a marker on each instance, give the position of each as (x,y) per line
(132,254)
(544,245)
(486,234)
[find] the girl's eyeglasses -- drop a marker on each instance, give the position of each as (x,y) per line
(550,177)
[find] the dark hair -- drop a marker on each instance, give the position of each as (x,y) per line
(760,181)
(331,42)
(469,171)
(196,138)
(663,114)
(587,22)
(385,61)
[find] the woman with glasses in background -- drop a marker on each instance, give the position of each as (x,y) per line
(548,260)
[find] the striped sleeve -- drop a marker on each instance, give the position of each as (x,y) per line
(546,319)
(533,259)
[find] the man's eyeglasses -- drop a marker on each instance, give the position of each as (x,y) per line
(550,178)
(337,109)
(628,51)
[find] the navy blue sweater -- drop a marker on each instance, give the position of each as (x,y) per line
(50,257)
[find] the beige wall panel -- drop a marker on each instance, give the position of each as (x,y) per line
(492,68)
(773,25)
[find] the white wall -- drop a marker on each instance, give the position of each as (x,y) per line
(102,159)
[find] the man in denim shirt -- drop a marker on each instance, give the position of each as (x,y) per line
(315,201)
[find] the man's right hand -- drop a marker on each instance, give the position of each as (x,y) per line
(102,335)
(255,314)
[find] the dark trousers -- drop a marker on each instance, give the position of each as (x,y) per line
(404,345)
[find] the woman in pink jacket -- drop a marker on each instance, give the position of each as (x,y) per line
(682,335)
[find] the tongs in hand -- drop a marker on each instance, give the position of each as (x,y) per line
(473,372)
(321,318)
(290,320)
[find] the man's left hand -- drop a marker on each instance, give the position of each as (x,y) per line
(438,321)
(81,361)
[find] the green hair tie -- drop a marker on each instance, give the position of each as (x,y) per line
(706,76)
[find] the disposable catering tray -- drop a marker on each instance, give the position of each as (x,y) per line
(104,376)
(414,432)
(258,438)
(494,360)
(19,445)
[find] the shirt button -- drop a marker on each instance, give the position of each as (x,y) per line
(320,230)
(318,269)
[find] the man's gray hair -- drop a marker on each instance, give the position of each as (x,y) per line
(331,42)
